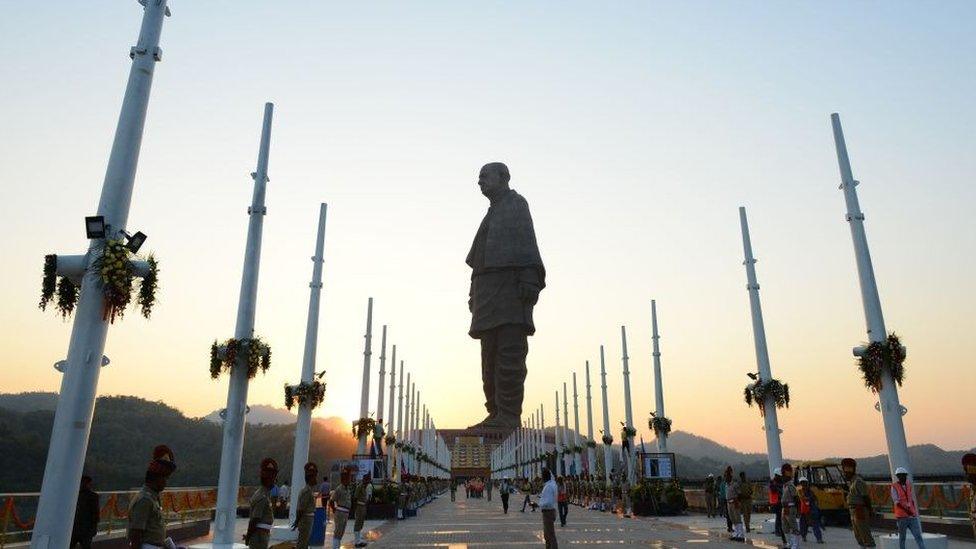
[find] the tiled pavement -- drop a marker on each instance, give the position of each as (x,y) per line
(479,523)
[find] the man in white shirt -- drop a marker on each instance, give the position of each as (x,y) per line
(547,503)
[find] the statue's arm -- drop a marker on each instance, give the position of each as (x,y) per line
(530,284)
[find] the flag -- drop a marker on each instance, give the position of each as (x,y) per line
(642,444)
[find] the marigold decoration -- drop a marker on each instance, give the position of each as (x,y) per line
(363,426)
(879,355)
(257,356)
(114,268)
(659,424)
(49,281)
(756,393)
(310,393)
(591,444)
(147,287)
(56,288)
(67,297)
(607,440)
(627,432)
(390,440)
(398,445)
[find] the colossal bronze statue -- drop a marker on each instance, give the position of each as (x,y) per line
(506,277)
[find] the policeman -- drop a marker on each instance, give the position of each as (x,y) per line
(261,511)
(305,512)
(363,493)
(340,501)
(146,525)
(858,503)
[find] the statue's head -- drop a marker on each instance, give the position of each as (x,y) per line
(493,179)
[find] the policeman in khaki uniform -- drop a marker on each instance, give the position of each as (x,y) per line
(363,493)
(261,512)
(146,528)
(340,501)
(969,467)
(305,512)
(859,503)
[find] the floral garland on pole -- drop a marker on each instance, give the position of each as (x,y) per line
(879,355)
(311,394)
(390,440)
(607,439)
(659,424)
(363,426)
(758,391)
(591,444)
(223,356)
(61,290)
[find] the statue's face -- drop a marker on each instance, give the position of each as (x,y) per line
(490,181)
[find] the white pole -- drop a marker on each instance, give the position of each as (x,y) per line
(566,461)
(542,432)
(364,399)
(590,452)
(662,438)
(391,450)
(627,457)
(559,441)
(303,426)
(232,448)
(577,457)
(380,390)
(407,431)
(414,395)
(774,449)
(891,408)
(397,459)
(76,401)
(607,448)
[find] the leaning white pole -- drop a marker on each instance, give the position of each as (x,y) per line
(380,389)
(607,434)
(590,452)
(232,448)
(390,449)
(628,457)
(662,437)
(364,397)
(891,408)
(774,449)
(577,456)
(303,426)
(76,401)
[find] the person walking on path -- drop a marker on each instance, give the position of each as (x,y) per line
(723,501)
(710,495)
(146,524)
(775,504)
(489,484)
(86,515)
(305,512)
(453,490)
(746,492)
(562,500)
(547,502)
(340,500)
(791,505)
(261,515)
(906,509)
(732,503)
(858,503)
(527,490)
(809,511)
(505,490)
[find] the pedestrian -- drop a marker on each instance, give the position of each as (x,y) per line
(305,510)
(906,509)
(453,490)
(527,490)
(710,495)
(969,468)
(745,495)
(340,500)
(858,503)
(86,515)
(547,503)
(775,505)
(284,493)
(791,504)
(362,495)
(261,516)
(489,484)
(562,500)
(146,525)
(723,502)
(809,511)
(732,515)
(505,490)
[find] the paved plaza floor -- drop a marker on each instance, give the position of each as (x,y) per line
(479,523)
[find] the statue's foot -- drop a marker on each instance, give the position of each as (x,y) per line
(487,423)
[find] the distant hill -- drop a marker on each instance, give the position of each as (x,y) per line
(29,402)
(124,431)
(927,459)
(698,447)
(263,414)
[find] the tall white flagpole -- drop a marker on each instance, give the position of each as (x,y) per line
(607,433)
(364,399)
(627,456)
(590,452)
(566,460)
(380,393)
(401,427)
(76,400)
(560,465)
(662,437)
(392,427)
(577,456)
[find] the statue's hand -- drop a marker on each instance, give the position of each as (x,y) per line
(528,293)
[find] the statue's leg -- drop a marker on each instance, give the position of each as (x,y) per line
(489,345)
(510,371)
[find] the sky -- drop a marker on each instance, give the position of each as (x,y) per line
(634,129)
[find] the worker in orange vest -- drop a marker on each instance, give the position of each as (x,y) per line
(906,509)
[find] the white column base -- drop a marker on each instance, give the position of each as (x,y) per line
(283,533)
(932,541)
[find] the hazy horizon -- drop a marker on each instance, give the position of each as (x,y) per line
(634,130)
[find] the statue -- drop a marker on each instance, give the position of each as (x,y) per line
(506,277)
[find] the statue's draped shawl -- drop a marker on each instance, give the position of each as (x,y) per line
(510,241)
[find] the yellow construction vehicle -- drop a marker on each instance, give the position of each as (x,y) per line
(827,483)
